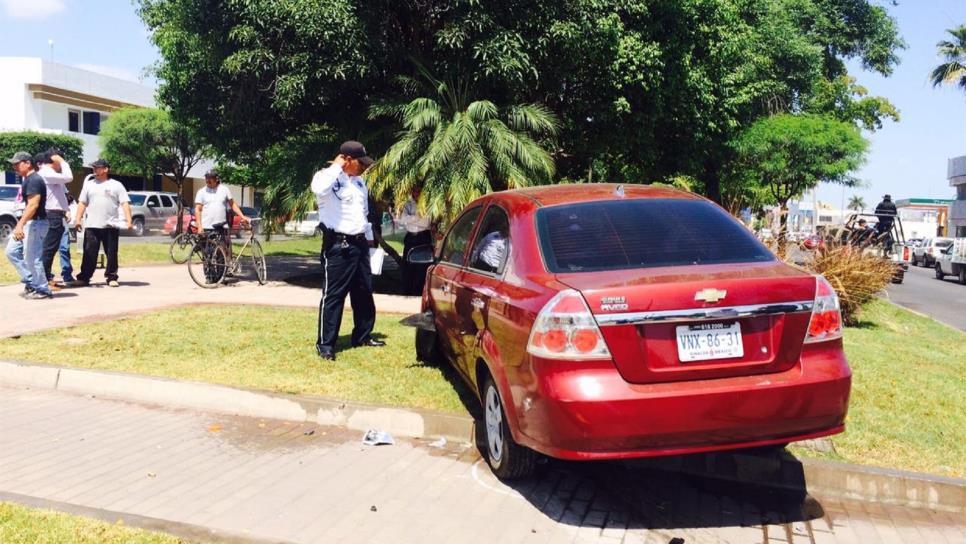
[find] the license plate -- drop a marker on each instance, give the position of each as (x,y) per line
(709,341)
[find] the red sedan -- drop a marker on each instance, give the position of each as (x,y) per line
(601,322)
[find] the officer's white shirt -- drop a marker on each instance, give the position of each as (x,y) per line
(343,201)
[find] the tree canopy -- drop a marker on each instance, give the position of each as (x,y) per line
(953,52)
(644,89)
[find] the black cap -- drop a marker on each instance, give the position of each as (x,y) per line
(355,150)
(100,163)
(212,174)
(887,197)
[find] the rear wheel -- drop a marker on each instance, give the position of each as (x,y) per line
(137,226)
(507,459)
(939,272)
(6,229)
(258,262)
(207,264)
(962,275)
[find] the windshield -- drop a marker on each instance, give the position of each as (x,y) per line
(137,200)
(9,192)
(643,233)
(944,243)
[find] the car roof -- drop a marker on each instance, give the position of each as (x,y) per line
(552,195)
(166,193)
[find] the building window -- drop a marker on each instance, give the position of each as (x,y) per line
(73,120)
(825,219)
(961,192)
(92,122)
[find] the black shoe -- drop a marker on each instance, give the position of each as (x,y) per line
(372,343)
(325,352)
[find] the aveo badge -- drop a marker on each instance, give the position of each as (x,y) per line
(612,304)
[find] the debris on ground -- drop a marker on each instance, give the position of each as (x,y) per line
(309,432)
(374,437)
(441,443)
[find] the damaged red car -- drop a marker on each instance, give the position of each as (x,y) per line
(607,322)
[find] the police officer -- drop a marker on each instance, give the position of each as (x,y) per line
(343,201)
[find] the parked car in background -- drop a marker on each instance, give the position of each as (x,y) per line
(813,242)
(925,253)
(10,210)
(151,209)
(307,225)
(951,261)
(171,224)
(606,322)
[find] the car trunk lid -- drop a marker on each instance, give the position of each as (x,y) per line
(713,321)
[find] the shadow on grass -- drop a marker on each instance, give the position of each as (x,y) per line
(869,325)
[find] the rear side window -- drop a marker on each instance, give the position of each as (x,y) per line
(454,248)
(166,202)
(620,234)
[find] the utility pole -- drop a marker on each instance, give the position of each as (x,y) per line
(50,43)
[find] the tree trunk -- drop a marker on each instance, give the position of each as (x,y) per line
(782,238)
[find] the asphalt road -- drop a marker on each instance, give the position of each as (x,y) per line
(942,300)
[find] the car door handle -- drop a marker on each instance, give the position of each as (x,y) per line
(477,303)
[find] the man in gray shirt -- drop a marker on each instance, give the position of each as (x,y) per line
(100,199)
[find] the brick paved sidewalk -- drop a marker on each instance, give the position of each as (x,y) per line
(149,288)
(282,481)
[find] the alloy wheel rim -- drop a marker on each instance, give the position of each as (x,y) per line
(494,426)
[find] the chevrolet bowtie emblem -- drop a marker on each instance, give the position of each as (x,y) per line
(710,295)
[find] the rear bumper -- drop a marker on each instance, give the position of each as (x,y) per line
(588,411)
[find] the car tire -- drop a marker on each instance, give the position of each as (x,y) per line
(507,459)
(939,272)
(6,229)
(138,227)
(962,275)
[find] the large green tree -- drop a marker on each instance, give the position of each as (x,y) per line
(146,141)
(644,89)
(953,51)
(785,155)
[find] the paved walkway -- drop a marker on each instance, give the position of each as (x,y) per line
(303,483)
(150,288)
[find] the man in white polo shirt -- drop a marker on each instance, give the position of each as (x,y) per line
(100,199)
(212,203)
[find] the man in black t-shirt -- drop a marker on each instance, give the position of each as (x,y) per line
(26,244)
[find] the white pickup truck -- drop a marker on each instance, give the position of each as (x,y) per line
(952,261)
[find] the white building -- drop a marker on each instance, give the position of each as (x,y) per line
(957,211)
(43,96)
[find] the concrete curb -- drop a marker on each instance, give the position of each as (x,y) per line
(236,401)
(820,477)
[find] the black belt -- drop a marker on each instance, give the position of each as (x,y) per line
(343,237)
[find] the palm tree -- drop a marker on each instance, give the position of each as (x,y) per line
(953,70)
(455,149)
(856,203)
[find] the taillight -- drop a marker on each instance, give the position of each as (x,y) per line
(565,329)
(905,253)
(826,321)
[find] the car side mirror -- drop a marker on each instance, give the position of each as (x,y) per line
(152,205)
(421,255)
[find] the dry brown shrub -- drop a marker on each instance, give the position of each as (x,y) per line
(855,275)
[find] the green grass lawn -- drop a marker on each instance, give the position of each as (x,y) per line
(21,525)
(249,346)
(136,254)
(908,405)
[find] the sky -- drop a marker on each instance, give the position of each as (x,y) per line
(906,159)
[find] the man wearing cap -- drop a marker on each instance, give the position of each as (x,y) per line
(57,174)
(212,203)
(343,201)
(886,212)
(25,246)
(101,198)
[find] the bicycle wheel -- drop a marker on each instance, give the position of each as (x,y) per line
(258,263)
(181,248)
(207,264)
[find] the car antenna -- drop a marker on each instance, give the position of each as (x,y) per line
(619,191)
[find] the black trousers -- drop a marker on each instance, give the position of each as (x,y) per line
(52,241)
(93,240)
(345,271)
(414,275)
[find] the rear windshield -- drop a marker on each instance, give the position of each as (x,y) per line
(620,234)
(137,200)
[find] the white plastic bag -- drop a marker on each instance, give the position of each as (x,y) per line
(376,257)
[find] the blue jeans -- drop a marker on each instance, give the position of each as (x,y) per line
(66,269)
(26,256)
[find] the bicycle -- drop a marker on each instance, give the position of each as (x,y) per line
(181,246)
(210,261)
